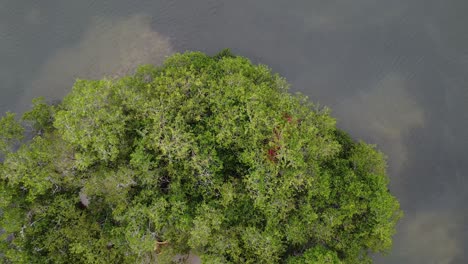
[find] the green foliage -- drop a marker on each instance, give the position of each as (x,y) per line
(225,53)
(40,116)
(209,155)
(317,254)
(11,132)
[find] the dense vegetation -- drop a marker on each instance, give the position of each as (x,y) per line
(209,155)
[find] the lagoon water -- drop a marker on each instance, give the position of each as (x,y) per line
(395,73)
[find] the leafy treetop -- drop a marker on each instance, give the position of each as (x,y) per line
(209,155)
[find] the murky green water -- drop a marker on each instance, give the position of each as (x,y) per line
(394,72)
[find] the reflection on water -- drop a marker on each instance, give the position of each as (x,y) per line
(384,114)
(394,72)
(434,231)
(109,47)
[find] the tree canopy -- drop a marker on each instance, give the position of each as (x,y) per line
(209,155)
